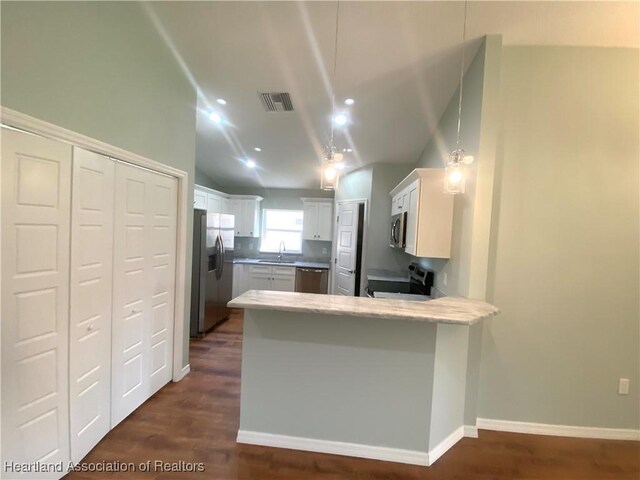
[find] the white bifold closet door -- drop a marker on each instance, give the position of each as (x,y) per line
(91,299)
(36,183)
(144,286)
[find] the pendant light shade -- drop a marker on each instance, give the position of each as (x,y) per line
(455,174)
(330,169)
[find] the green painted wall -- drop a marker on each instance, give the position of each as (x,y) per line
(565,240)
(100,69)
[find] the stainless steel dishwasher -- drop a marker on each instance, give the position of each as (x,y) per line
(312,280)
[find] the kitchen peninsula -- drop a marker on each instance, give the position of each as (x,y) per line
(375,378)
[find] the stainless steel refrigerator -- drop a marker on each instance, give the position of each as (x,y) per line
(212,270)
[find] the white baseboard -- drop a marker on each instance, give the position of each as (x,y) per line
(470,431)
(440,449)
(558,430)
(412,457)
(185,371)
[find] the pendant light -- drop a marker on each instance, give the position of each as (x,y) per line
(454,176)
(331,159)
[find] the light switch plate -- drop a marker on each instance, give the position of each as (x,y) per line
(623,386)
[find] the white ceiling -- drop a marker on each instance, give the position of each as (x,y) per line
(398,60)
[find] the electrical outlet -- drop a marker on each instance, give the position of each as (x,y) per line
(444,279)
(623,386)
(324,251)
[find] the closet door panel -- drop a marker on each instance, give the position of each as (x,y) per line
(164,200)
(131,306)
(36,191)
(91,299)
(144,286)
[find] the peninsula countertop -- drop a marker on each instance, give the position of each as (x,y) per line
(455,310)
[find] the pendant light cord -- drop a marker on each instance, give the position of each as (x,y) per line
(464,38)
(335,63)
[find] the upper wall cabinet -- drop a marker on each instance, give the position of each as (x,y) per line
(246,209)
(318,219)
(429,212)
(199,198)
(210,200)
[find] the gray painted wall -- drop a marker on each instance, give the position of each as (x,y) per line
(436,154)
(203,179)
(100,69)
(564,262)
(318,376)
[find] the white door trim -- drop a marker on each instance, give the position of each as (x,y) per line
(30,124)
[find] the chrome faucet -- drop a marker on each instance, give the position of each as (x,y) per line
(281,249)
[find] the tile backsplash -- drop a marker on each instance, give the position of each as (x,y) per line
(248,247)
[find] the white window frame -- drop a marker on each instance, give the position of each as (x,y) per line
(263,229)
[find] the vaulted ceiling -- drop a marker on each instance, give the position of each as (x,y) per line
(399,61)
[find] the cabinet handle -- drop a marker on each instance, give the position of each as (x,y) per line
(90,327)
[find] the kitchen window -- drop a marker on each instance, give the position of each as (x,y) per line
(281,225)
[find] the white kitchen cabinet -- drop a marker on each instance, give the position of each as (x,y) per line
(225,205)
(318,219)
(199,199)
(246,209)
(271,277)
(429,213)
(239,280)
(211,200)
(214,203)
(283,283)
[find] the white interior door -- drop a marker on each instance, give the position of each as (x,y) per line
(36,192)
(346,249)
(144,286)
(91,296)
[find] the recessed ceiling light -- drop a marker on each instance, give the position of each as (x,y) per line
(349,101)
(215,117)
(257,149)
(340,119)
(250,163)
(221,101)
(349,150)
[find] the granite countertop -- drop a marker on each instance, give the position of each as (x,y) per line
(297,263)
(387,276)
(453,310)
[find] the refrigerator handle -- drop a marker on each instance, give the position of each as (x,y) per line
(221,247)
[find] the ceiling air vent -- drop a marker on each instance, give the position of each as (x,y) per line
(276,102)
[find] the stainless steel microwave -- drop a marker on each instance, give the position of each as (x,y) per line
(398,230)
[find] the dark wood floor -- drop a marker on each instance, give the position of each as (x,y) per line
(196,420)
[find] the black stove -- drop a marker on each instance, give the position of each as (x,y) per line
(420,280)
(417,285)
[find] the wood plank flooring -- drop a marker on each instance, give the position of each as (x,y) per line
(196,420)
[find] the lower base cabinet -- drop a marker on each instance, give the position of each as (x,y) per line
(272,277)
